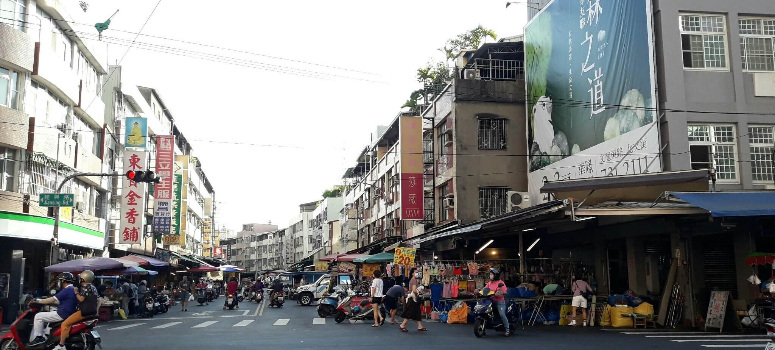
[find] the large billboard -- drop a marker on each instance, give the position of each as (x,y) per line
(163,191)
(412,205)
(590,91)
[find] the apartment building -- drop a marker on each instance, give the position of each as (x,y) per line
(300,230)
(324,215)
(248,252)
(52,126)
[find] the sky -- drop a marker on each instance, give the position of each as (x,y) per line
(290,91)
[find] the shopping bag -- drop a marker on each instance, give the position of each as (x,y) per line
(458,314)
(122,314)
(565,312)
(191,297)
(605,318)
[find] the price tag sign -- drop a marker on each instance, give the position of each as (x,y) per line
(404,256)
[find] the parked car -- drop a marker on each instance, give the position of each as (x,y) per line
(312,292)
(293,280)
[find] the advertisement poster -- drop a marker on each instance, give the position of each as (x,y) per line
(368,269)
(412,201)
(404,256)
(590,92)
(163,191)
(132,200)
(174,237)
(136,132)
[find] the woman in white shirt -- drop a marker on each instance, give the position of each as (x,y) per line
(377,287)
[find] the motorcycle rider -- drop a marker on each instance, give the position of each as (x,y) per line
(67,304)
(201,286)
(231,288)
(258,287)
(498,300)
(277,287)
(88,305)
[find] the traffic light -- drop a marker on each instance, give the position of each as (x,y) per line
(143,176)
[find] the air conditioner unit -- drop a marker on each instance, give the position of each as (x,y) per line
(449,202)
(517,200)
(79,206)
(471,74)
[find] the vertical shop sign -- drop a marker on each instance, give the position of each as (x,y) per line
(163,191)
(132,199)
(411,168)
(174,237)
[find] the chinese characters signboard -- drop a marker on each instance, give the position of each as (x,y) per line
(591,91)
(217,252)
(163,191)
(411,168)
(174,237)
(136,132)
(404,256)
(132,200)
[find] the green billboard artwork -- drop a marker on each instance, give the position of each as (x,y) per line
(591,91)
(178,193)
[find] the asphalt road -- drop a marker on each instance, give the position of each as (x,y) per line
(298,327)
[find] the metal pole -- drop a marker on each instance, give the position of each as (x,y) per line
(521,257)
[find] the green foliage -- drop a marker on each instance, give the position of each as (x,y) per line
(470,40)
(334,192)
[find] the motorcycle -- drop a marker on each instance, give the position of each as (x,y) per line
(486,317)
(328,304)
(162,304)
(230,301)
(82,334)
(210,295)
(363,311)
(770,327)
(149,306)
(276,299)
(258,296)
(244,294)
(201,297)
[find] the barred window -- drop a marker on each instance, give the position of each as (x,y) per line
(757,44)
(703,41)
(761,142)
(492,201)
(492,134)
(714,147)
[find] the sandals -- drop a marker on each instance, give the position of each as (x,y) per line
(422,329)
(404,330)
(374,325)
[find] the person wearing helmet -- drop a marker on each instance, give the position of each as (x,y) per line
(498,300)
(67,305)
(88,304)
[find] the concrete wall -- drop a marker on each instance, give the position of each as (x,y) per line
(16,48)
(474,167)
(726,91)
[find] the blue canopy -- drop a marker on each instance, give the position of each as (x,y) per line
(722,204)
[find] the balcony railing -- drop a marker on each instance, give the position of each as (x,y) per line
(494,69)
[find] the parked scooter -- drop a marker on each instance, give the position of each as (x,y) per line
(244,294)
(276,299)
(82,334)
(162,304)
(327,305)
(201,297)
(149,306)
(770,327)
(487,317)
(359,312)
(230,298)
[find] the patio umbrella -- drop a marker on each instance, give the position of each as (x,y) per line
(135,270)
(93,264)
(376,258)
(203,269)
(144,260)
(231,269)
(760,259)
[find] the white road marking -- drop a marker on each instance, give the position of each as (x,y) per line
(167,325)
(717,340)
(318,321)
(245,313)
(675,333)
(263,307)
(761,346)
(243,323)
(282,321)
(205,324)
(703,336)
(127,326)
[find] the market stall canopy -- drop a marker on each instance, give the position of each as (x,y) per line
(135,270)
(760,259)
(203,269)
(725,204)
(375,259)
(231,269)
(94,264)
(330,258)
(351,257)
(144,260)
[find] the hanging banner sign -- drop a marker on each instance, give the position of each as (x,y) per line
(411,169)
(368,269)
(163,191)
(404,256)
(132,199)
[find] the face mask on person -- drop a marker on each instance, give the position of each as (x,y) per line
(417,275)
(492,277)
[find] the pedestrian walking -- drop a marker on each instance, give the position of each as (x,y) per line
(377,288)
(185,293)
(580,289)
(412,306)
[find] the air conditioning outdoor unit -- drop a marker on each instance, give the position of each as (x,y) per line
(449,202)
(517,200)
(471,74)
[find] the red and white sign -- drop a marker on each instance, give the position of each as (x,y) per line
(412,200)
(412,196)
(165,164)
(217,252)
(132,199)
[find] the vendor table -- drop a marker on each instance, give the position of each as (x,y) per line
(535,304)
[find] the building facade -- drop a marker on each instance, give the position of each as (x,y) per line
(327,211)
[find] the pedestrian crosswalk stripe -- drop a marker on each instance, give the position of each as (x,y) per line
(243,323)
(735,346)
(127,326)
(702,336)
(282,321)
(167,325)
(717,340)
(318,321)
(205,324)
(673,333)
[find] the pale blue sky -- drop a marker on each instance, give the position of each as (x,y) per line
(324,122)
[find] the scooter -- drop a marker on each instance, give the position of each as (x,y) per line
(161,305)
(328,304)
(82,334)
(359,312)
(230,301)
(201,297)
(258,296)
(770,327)
(276,299)
(487,317)
(210,295)
(149,306)
(244,294)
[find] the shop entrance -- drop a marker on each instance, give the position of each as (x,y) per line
(618,275)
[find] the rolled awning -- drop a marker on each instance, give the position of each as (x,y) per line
(725,204)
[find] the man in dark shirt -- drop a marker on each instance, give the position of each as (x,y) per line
(231,288)
(393,295)
(67,305)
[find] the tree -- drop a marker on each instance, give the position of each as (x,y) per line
(333,193)
(469,40)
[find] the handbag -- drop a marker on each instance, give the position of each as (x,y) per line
(191,297)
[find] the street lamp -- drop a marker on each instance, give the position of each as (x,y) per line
(482,248)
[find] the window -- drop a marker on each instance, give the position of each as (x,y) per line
(9,87)
(446,200)
(761,146)
(492,134)
(703,41)
(757,44)
(445,138)
(714,146)
(7,169)
(12,13)
(492,201)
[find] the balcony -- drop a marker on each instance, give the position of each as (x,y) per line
(497,69)
(56,73)
(17,48)
(13,130)
(89,163)
(90,105)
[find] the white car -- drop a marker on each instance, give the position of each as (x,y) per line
(307,294)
